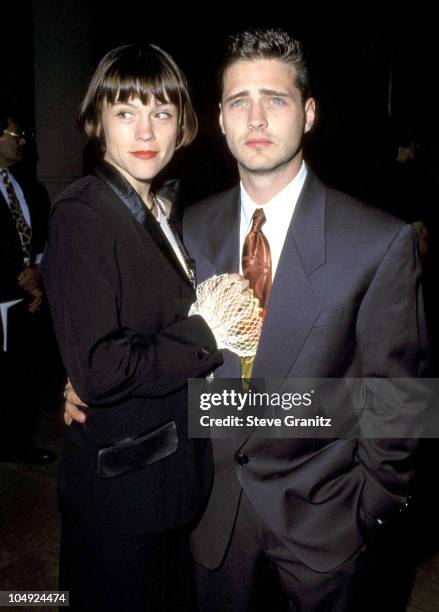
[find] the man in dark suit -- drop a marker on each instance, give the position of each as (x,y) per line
(344,302)
(22,234)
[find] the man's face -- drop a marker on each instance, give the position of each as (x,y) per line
(263,116)
(11,146)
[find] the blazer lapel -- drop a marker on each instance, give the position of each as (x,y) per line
(128,195)
(222,246)
(8,226)
(293,307)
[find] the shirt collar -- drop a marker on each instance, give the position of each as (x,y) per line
(281,206)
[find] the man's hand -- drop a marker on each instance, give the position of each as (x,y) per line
(29,278)
(34,306)
(71,406)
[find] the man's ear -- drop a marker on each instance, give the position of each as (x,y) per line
(310,113)
(221,118)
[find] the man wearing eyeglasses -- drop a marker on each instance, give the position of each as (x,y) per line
(21,299)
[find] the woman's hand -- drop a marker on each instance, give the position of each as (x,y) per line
(72,404)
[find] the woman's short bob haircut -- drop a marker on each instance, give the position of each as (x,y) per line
(137,71)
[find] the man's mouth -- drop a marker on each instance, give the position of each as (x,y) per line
(258,143)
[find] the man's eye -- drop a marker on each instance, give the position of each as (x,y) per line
(238,103)
(277,101)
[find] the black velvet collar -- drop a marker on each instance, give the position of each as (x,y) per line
(124,191)
(129,196)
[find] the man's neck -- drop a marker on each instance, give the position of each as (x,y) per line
(263,187)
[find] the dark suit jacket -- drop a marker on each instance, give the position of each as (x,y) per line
(119,300)
(345,302)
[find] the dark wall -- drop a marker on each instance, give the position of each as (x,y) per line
(16,57)
(16,69)
(355,60)
(369,71)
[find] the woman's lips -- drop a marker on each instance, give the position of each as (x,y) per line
(144,154)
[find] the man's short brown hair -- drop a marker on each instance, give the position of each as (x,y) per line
(267,44)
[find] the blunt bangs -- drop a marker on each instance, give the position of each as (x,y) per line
(142,72)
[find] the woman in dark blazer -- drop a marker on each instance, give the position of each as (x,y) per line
(120,284)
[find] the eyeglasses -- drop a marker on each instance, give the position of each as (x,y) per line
(18,135)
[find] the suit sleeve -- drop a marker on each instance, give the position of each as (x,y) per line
(391,335)
(105,361)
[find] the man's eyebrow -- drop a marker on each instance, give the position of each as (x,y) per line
(263,92)
(273,92)
(240,94)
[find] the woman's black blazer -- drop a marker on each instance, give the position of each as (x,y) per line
(119,300)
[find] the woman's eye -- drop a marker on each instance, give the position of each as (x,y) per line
(163,115)
(124,114)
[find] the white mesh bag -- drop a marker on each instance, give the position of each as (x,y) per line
(232,314)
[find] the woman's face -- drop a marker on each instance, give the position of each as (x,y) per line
(139,139)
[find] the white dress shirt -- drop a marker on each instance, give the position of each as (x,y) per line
(169,232)
(278,213)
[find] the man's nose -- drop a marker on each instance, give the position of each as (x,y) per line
(257,119)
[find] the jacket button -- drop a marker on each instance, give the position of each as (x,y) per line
(242,459)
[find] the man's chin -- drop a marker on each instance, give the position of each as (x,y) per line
(261,167)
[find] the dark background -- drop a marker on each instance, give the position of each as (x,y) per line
(372,73)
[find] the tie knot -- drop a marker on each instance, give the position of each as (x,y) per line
(258,219)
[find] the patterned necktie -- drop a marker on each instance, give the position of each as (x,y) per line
(23,229)
(256,268)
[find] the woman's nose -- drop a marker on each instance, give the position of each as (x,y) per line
(144,130)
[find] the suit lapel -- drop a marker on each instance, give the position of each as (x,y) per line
(155,231)
(293,307)
(128,195)
(8,226)
(5,211)
(222,245)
